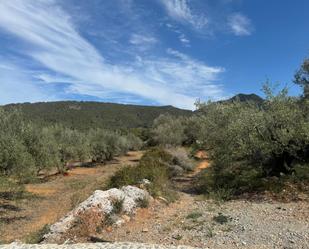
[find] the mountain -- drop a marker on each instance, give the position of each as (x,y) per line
(86,115)
(246,98)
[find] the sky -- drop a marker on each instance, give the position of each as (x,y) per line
(148,52)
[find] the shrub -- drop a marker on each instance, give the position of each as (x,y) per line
(248,143)
(154,166)
(221,218)
(168,131)
(180,158)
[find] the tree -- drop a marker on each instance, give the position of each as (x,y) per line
(72,145)
(168,130)
(43,147)
(302,78)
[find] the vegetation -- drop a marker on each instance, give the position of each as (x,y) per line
(84,116)
(248,144)
(157,165)
(37,237)
(27,150)
(253,144)
(221,218)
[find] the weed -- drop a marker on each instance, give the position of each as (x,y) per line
(117,206)
(177,237)
(142,202)
(37,236)
(76,199)
(221,218)
(210,233)
(194,215)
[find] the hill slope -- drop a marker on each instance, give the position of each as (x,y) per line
(246,98)
(85,115)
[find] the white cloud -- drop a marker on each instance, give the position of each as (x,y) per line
(17,86)
(239,24)
(138,39)
(55,43)
(184,40)
(181,11)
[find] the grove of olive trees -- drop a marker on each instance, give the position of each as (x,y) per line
(27,150)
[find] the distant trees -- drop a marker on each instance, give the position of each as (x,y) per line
(27,149)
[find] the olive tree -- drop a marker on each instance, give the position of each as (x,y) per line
(302,78)
(168,130)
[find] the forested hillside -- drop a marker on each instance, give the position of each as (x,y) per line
(86,115)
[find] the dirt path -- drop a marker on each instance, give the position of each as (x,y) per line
(160,223)
(195,221)
(55,198)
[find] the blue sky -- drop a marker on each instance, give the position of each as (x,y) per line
(153,52)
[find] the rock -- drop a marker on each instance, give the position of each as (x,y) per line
(145,230)
(145,182)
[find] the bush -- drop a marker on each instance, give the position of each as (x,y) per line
(168,131)
(180,158)
(154,166)
(248,143)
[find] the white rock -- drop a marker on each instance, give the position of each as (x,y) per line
(100,202)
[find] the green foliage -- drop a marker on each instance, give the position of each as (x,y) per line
(168,131)
(302,78)
(154,166)
(221,218)
(84,116)
(27,150)
(194,215)
(247,142)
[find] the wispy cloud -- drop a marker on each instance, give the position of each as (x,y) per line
(143,42)
(239,24)
(184,40)
(180,10)
(16,85)
(54,41)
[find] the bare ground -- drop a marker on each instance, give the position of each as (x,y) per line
(195,221)
(192,220)
(54,198)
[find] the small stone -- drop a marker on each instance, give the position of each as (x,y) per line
(145,230)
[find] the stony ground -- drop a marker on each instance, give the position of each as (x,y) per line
(195,221)
(95,246)
(204,223)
